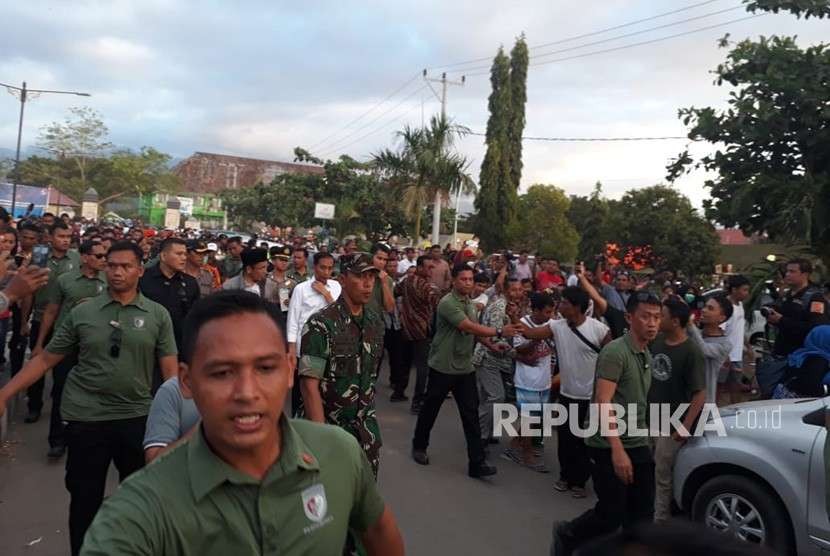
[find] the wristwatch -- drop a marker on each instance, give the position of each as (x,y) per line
(499,331)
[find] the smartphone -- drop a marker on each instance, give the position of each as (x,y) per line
(40,255)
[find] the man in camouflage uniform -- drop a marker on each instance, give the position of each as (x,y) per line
(340,349)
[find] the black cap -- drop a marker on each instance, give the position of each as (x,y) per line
(357,263)
(197,246)
(251,257)
(280,252)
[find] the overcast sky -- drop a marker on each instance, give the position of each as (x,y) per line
(257,78)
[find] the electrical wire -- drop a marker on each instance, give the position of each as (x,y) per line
(364,114)
(338,144)
(584,35)
(632,45)
(381,128)
(591,139)
(618,37)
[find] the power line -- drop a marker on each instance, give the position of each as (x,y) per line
(378,129)
(366,113)
(632,45)
(592,139)
(618,37)
(337,145)
(585,35)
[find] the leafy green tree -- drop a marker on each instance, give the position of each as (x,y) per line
(543,225)
(518,99)
(664,220)
(142,172)
(589,215)
(497,198)
(772,162)
(80,138)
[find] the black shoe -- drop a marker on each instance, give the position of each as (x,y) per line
(399,397)
(420,456)
(32,417)
(482,469)
(56,452)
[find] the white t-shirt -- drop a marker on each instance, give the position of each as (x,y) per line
(734,329)
(534,377)
(577,361)
(404,265)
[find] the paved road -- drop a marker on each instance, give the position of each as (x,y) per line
(440,510)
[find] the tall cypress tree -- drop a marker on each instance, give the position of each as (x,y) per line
(518,100)
(496,199)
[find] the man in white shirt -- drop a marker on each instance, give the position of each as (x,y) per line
(307,298)
(729,377)
(409,261)
(578,339)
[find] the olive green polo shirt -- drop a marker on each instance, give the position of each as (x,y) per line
(105,388)
(190,502)
(57,267)
(622,362)
(451,351)
(376,301)
(74,288)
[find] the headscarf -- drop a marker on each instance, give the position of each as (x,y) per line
(816,344)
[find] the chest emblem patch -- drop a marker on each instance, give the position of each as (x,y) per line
(138,322)
(315,505)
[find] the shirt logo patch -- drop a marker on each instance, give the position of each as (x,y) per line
(100,288)
(315,505)
(68,266)
(662,367)
(138,322)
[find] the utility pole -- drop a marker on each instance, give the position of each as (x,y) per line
(23,94)
(436,208)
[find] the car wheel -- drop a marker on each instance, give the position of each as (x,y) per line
(743,508)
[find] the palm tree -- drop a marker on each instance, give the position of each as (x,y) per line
(425,167)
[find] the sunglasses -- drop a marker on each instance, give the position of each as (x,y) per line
(99,256)
(115,343)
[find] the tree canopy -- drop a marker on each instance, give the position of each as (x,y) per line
(542,224)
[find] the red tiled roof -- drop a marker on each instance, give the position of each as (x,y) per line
(59,199)
(733,237)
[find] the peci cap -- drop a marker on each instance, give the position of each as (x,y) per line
(280,252)
(197,246)
(251,257)
(357,263)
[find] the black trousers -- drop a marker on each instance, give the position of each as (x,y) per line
(35,391)
(400,360)
(465,392)
(574,465)
(91,448)
(59,374)
(416,352)
(618,505)
(296,393)
(17,343)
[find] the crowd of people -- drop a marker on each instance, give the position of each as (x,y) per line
(184,349)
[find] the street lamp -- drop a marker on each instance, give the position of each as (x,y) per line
(23,94)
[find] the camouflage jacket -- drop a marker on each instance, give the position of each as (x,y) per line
(343,352)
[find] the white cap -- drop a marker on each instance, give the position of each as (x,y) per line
(212,247)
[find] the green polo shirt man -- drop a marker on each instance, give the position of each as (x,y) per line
(250,480)
(118,337)
(451,370)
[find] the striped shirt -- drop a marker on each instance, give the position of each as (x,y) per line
(418,300)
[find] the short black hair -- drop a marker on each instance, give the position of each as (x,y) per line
(86,247)
(126,245)
(527,281)
(422,259)
(541,300)
(381,247)
(220,305)
(171,241)
(45,214)
(804,265)
(678,310)
(642,298)
(235,239)
(303,249)
(736,281)
(436,246)
(58,225)
(29,226)
(577,297)
(481,278)
(319,256)
(459,268)
(725,305)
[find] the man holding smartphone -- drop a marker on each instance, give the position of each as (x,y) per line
(59,261)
